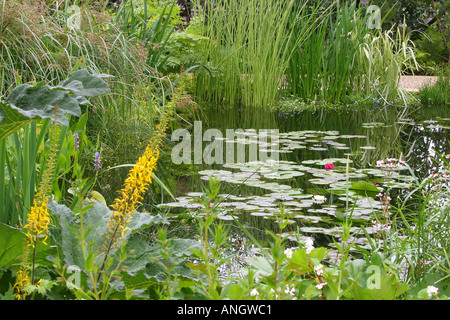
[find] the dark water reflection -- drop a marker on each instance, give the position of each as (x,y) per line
(417,140)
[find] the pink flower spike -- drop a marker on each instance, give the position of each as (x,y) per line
(329,166)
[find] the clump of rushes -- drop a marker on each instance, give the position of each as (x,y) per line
(131,195)
(38,219)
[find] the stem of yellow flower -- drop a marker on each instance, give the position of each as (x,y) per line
(107,252)
(112,240)
(34,258)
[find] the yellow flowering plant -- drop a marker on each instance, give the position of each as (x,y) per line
(131,195)
(38,219)
(94,238)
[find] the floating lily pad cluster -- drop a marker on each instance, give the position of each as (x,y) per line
(339,197)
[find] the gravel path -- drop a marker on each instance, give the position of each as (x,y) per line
(413,83)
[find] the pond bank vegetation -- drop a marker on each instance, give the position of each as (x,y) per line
(92,206)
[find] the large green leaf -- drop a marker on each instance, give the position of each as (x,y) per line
(12,242)
(84,84)
(11,245)
(261,264)
(27,102)
(95,223)
(65,235)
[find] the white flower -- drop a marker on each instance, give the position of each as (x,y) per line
(273,292)
(319,269)
(290,291)
(319,198)
(431,290)
(321,285)
(309,245)
(288,253)
(254,292)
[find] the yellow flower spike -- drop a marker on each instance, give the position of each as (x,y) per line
(130,196)
(22,280)
(38,221)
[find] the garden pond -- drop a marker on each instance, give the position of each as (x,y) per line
(329,169)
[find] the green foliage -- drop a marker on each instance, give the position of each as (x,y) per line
(342,56)
(364,187)
(432,51)
(24,135)
(247,52)
(26,102)
(248,56)
(139,23)
(436,94)
(184,51)
(81,236)
(12,241)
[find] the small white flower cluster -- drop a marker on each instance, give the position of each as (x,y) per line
(321,285)
(431,290)
(254,293)
(309,245)
(319,273)
(288,253)
(319,269)
(290,291)
(318,199)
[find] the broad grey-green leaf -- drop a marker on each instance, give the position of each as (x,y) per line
(95,221)
(82,83)
(11,120)
(141,220)
(27,102)
(40,101)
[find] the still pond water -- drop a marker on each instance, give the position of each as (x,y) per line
(320,157)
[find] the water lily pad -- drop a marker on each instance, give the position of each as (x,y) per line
(283,175)
(225,217)
(310,229)
(350,136)
(395,184)
(260,214)
(323,181)
(372,124)
(367,148)
(363,187)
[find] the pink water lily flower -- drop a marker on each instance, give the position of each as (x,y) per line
(329,166)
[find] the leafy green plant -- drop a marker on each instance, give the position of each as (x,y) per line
(155,34)
(20,148)
(343,56)
(247,51)
(436,94)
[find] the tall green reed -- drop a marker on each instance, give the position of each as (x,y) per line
(250,44)
(345,56)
